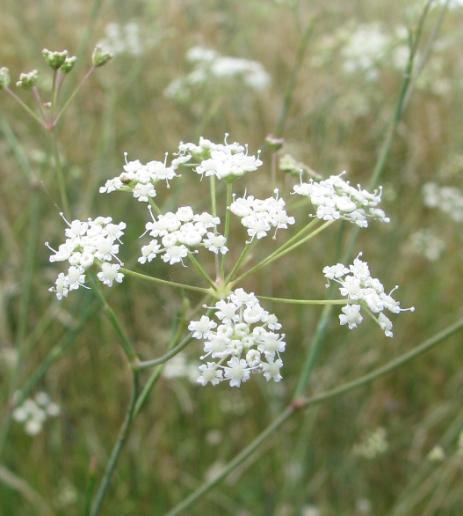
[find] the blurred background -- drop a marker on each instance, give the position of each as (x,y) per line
(326,77)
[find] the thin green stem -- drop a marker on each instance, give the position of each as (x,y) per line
(200,269)
(126,345)
(269,260)
(288,96)
(59,175)
(143,364)
(155,207)
(24,106)
(213,195)
(304,403)
(72,95)
(239,261)
(232,465)
(305,301)
(228,201)
(174,284)
(117,449)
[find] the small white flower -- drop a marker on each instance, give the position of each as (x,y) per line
(89,243)
(110,273)
(334,198)
(245,337)
(363,291)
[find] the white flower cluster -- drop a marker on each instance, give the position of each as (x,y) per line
(244,340)
(261,216)
(122,39)
(34,412)
(426,243)
(363,291)
(175,234)
(334,198)
(447,198)
(93,242)
(222,160)
(212,69)
(141,178)
(374,444)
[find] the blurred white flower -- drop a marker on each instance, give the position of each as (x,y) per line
(33,413)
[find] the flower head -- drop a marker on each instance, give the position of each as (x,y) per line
(173,235)
(88,243)
(243,340)
(259,217)
(362,291)
(334,198)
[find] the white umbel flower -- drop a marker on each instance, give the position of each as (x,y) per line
(174,235)
(88,243)
(244,340)
(33,413)
(220,160)
(334,198)
(259,217)
(141,178)
(362,291)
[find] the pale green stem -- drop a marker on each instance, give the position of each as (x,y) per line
(160,281)
(305,301)
(143,364)
(268,260)
(125,343)
(155,207)
(239,261)
(117,449)
(304,403)
(72,96)
(24,106)
(229,197)
(213,193)
(59,175)
(199,268)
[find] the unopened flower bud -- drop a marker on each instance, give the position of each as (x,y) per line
(274,142)
(68,64)
(54,59)
(28,80)
(100,56)
(4,78)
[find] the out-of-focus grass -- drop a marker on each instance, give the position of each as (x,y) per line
(186,431)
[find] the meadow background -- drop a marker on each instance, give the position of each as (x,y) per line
(323,461)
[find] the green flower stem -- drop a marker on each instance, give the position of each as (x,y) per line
(268,260)
(200,270)
(240,260)
(24,106)
(229,197)
(153,279)
(305,301)
(294,238)
(213,195)
(113,319)
(155,207)
(73,94)
(117,448)
(304,403)
(59,175)
(143,364)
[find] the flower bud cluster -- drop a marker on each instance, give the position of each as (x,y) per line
(224,161)
(259,217)
(334,198)
(57,59)
(174,235)
(363,291)
(141,178)
(34,412)
(27,79)
(243,339)
(93,242)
